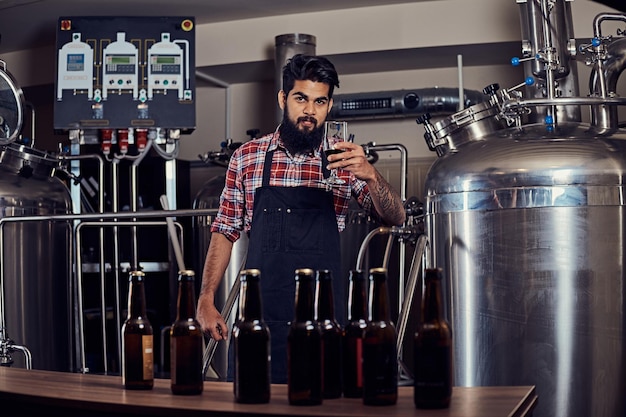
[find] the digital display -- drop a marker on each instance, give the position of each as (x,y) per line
(117,59)
(166,60)
(75,62)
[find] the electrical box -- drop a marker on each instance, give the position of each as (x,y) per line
(125,72)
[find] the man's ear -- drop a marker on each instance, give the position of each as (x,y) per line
(330,105)
(282,99)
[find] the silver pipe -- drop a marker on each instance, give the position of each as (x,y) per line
(412,280)
(120,215)
(403,191)
(28,360)
(134,197)
(606,72)
(365,243)
(403,161)
(562,101)
(100,224)
(96,217)
(211,346)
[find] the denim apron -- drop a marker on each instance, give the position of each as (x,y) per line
(292,228)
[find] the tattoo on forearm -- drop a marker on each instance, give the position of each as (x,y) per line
(390,204)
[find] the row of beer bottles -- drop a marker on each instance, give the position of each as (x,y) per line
(321,355)
(186,339)
(360,360)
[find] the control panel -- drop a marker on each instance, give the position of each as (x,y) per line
(125,72)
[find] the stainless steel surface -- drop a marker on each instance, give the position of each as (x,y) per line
(35,274)
(547,33)
(215,361)
(530,230)
(11,107)
(604,77)
(528,222)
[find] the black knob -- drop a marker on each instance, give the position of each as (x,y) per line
(411,101)
(491,88)
(423,118)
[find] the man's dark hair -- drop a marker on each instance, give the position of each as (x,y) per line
(312,68)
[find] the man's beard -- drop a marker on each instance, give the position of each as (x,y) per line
(298,141)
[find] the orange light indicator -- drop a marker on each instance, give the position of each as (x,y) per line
(187,25)
(66,24)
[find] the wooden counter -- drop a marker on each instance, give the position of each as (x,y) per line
(55,394)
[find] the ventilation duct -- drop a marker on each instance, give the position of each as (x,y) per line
(401,103)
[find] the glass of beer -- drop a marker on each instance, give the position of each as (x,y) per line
(334,132)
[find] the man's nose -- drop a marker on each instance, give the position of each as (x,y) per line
(309,108)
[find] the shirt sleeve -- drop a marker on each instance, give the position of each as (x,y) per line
(229,219)
(362,194)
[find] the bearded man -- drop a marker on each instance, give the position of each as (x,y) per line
(274,192)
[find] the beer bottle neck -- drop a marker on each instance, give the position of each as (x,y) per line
(379,299)
(357,300)
(186,303)
(304,308)
(136,299)
(432,310)
(250,299)
(325,302)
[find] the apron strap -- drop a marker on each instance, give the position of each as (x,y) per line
(267,167)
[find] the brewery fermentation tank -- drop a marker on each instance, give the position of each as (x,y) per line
(525,213)
(36,258)
(530,228)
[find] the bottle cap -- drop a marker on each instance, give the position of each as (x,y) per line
(304,273)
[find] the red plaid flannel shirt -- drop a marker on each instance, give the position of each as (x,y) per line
(245,174)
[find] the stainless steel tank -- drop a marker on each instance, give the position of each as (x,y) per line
(36,259)
(528,221)
(529,226)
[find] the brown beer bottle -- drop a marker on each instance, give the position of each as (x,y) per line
(353,336)
(433,348)
(251,341)
(380,361)
(137,338)
(186,340)
(304,346)
(331,334)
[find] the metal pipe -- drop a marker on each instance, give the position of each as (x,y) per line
(412,279)
(100,224)
(365,243)
(562,101)
(403,161)
(134,197)
(403,191)
(610,62)
(99,218)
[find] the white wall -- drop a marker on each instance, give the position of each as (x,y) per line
(410,27)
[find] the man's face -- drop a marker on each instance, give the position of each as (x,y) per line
(307,104)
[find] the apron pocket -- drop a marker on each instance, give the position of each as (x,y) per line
(304,232)
(273,227)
